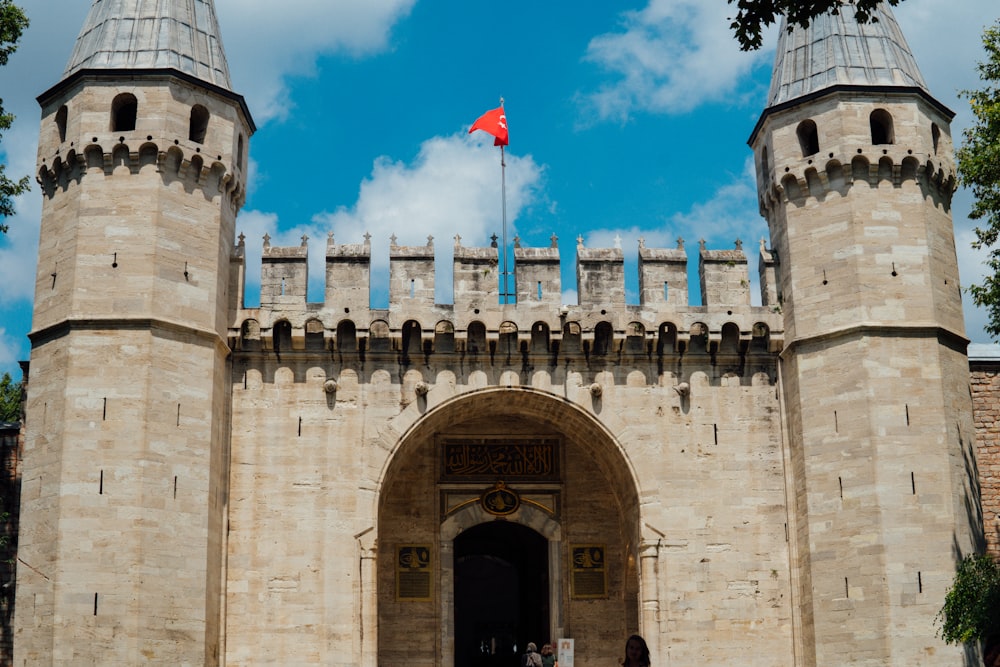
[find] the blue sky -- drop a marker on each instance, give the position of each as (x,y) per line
(627,119)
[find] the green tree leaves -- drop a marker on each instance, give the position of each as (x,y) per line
(971,610)
(752,16)
(10,399)
(12,24)
(979,169)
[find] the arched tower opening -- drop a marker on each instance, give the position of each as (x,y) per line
(198,125)
(881,126)
(517,502)
(61,118)
(124,112)
(808,137)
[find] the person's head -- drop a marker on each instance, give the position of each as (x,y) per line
(636,652)
(532,648)
(547,649)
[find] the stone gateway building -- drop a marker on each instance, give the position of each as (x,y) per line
(205,483)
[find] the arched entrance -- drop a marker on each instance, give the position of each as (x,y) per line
(501,593)
(451,567)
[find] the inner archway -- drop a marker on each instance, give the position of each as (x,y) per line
(501,593)
(571,498)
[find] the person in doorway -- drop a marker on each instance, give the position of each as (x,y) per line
(548,656)
(636,652)
(531,657)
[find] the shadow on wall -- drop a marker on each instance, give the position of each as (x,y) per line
(10,503)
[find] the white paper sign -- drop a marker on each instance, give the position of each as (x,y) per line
(564,653)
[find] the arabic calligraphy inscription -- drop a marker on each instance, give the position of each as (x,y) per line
(489,458)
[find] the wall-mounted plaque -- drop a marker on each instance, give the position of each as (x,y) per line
(489,458)
(413,573)
(588,574)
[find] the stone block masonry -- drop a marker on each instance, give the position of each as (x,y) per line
(985,380)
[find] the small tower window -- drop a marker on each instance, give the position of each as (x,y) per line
(199,124)
(61,116)
(315,335)
(935,136)
(881,123)
(765,163)
(412,339)
(347,336)
(603,337)
(540,337)
(808,138)
(477,338)
(282,336)
(124,110)
(239,153)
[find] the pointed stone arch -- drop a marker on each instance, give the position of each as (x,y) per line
(413,505)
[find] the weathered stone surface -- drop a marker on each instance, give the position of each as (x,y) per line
(986,410)
(318,483)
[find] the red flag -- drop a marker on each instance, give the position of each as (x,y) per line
(494,122)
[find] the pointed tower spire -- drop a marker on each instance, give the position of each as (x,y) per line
(139,34)
(837,50)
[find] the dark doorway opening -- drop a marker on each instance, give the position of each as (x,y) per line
(501,594)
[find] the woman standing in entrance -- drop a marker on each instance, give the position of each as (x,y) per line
(636,652)
(548,656)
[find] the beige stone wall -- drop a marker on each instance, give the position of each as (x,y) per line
(986,404)
(207,483)
(874,381)
(126,448)
(865,213)
(883,496)
(317,478)
(11,451)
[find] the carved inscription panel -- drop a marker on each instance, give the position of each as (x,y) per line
(489,458)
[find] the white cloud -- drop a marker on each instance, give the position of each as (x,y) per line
(971,270)
(452,185)
(628,238)
(264,47)
(730,214)
(670,57)
(19,247)
(37,64)
(9,354)
(266,44)
(949,66)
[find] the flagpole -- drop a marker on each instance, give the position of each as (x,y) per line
(494,122)
(503,194)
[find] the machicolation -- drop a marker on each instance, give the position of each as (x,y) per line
(601,328)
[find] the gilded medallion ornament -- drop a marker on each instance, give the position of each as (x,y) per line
(499,500)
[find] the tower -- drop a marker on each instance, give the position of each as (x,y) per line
(855,176)
(142,157)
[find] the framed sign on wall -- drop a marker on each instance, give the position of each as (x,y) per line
(414,576)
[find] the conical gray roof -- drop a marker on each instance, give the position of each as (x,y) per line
(153,34)
(837,50)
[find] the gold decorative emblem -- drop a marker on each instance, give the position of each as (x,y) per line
(500,501)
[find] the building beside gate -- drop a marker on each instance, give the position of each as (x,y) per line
(206,483)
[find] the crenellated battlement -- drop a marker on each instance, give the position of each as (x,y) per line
(657,448)
(602,323)
(815,176)
(183,162)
